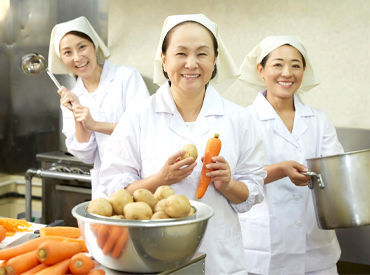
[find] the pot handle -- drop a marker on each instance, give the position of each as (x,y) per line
(314,175)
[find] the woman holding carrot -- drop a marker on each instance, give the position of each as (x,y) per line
(144,150)
(281,235)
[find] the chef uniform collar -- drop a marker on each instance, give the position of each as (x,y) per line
(80,24)
(226,68)
(248,69)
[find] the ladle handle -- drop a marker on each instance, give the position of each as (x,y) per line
(56,82)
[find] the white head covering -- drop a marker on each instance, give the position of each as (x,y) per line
(248,69)
(80,24)
(225,65)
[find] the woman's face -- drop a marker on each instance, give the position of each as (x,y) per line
(190,58)
(78,54)
(283,72)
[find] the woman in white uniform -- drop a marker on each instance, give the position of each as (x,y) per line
(281,235)
(102,93)
(145,148)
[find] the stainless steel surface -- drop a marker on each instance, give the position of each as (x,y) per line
(150,246)
(341,189)
(34,63)
(29,107)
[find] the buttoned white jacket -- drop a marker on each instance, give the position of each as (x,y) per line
(144,140)
(119,89)
(281,235)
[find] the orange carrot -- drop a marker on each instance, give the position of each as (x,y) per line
(13,226)
(73,240)
(36,269)
(52,252)
(81,264)
(120,244)
(59,268)
(213,148)
(98,271)
(2,268)
(64,231)
(25,247)
(22,263)
(114,233)
(2,233)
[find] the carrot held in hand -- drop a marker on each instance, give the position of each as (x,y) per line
(52,252)
(213,148)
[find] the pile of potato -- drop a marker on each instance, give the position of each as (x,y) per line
(142,205)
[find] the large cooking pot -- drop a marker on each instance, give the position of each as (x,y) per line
(340,188)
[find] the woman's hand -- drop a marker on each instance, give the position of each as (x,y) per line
(67,98)
(220,174)
(293,169)
(82,114)
(175,169)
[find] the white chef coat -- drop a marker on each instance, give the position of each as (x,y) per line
(281,235)
(119,88)
(144,140)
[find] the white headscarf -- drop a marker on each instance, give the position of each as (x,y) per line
(80,24)
(248,69)
(226,68)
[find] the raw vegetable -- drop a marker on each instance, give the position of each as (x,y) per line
(96,272)
(2,267)
(120,243)
(28,246)
(22,263)
(64,231)
(81,264)
(60,268)
(36,269)
(13,226)
(2,233)
(213,148)
(52,252)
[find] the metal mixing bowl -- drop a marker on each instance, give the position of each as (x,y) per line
(142,246)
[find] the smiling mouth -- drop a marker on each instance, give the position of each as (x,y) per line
(190,76)
(81,66)
(285,83)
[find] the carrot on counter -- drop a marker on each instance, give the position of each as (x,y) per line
(98,271)
(52,252)
(213,148)
(13,226)
(25,247)
(120,244)
(2,267)
(59,268)
(36,269)
(73,240)
(81,264)
(22,263)
(64,231)
(2,233)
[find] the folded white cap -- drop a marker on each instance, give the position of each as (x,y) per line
(226,68)
(80,24)
(248,69)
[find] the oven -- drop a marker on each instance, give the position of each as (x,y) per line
(66,182)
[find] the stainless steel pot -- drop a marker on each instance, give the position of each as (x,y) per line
(340,187)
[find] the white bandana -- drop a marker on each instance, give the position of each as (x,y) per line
(226,68)
(80,24)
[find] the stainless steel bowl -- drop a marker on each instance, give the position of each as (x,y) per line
(142,246)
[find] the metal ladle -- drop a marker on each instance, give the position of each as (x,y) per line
(34,63)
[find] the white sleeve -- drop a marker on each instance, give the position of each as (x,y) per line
(85,151)
(135,90)
(330,144)
(250,165)
(121,160)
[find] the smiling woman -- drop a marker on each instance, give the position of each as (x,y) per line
(102,93)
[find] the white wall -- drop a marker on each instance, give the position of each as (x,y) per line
(336,34)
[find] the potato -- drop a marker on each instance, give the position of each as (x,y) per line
(145,195)
(160,215)
(120,217)
(137,211)
(160,206)
(190,151)
(163,192)
(177,206)
(100,206)
(191,212)
(119,199)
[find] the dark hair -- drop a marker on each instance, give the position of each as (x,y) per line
(81,34)
(264,60)
(167,38)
